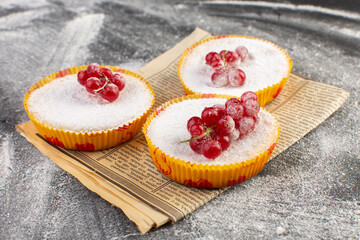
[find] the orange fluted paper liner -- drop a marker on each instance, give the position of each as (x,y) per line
(204,175)
(265,95)
(91,141)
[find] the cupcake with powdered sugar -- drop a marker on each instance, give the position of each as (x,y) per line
(234,64)
(211,140)
(89,107)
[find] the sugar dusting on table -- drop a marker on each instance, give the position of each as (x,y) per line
(65,104)
(169,128)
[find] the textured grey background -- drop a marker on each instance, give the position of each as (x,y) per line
(309,191)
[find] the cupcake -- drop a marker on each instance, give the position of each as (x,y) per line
(73,110)
(173,141)
(234,64)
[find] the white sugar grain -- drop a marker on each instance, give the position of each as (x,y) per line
(169,128)
(266,65)
(65,104)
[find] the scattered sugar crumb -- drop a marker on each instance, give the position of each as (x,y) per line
(280,230)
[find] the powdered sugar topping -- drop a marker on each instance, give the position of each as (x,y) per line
(65,104)
(266,65)
(169,128)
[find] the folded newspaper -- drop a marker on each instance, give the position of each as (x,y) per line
(125,175)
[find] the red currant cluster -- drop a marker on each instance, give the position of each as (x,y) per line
(226,68)
(101,81)
(220,124)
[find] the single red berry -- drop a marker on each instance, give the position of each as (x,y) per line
(234,135)
(236,111)
(210,116)
(223,140)
(246,125)
(211,57)
(242,52)
(93,70)
(221,109)
(196,129)
(118,80)
(225,125)
(223,53)
(211,149)
(110,92)
(248,95)
(194,120)
(92,84)
(218,65)
(231,101)
(236,77)
(107,72)
(251,107)
(82,76)
(197,145)
(219,79)
(230,57)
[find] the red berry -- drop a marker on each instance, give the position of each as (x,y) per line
(225,125)
(231,101)
(223,140)
(251,107)
(210,116)
(92,84)
(219,79)
(118,80)
(236,111)
(82,76)
(197,145)
(222,54)
(106,71)
(211,149)
(248,95)
(211,57)
(246,125)
(236,77)
(194,120)
(234,135)
(242,52)
(196,129)
(93,70)
(110,92)
(230,57)
(218,65)
(221,109)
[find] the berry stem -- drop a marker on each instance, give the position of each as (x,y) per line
(102,87)
(227,66)
(206,133)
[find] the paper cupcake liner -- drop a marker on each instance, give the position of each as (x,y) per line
(204,175)
(265,95)
(91,141)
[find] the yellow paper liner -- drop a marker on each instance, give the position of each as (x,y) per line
(204,175)
(265,95)
(91,141)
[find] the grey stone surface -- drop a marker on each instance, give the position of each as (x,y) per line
(310,191)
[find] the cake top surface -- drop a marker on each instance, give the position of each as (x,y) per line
(266,65)
(170,127)
(65,104)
